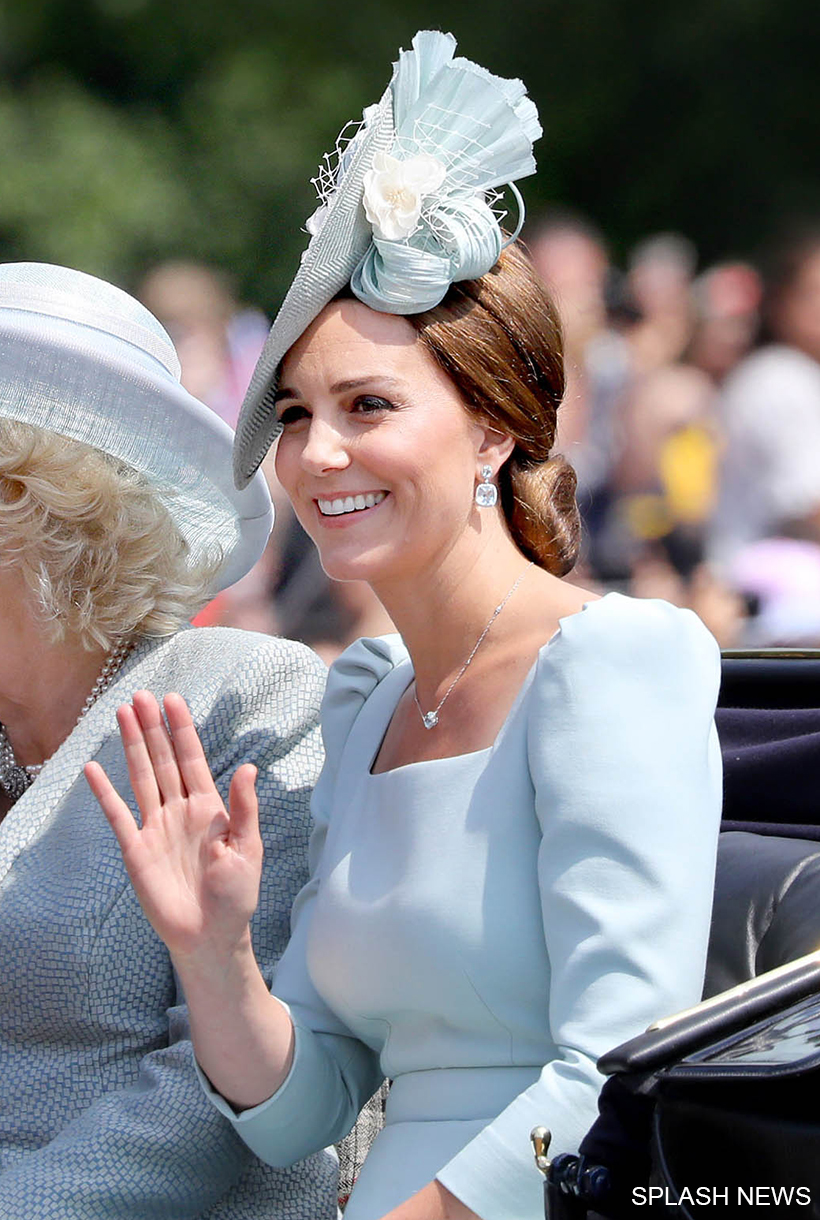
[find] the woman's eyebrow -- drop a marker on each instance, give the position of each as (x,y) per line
(342,387)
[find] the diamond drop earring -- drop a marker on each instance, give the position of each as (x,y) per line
(486,493)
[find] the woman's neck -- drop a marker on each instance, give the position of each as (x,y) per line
(43,683)
(441,613)
(43,691)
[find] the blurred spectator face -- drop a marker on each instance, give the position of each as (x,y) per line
(186,296)
(573,266)
(660,274)
(194,305)
(720,343)
(796,315)
(670,400)
(218,341)
(727,301)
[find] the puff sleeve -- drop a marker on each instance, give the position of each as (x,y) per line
(625,768)
(333,1073)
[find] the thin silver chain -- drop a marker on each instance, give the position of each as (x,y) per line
(15,778)
(430,719)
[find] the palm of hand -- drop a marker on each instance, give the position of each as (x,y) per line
(194,865)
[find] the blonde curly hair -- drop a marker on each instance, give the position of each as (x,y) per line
(96,547)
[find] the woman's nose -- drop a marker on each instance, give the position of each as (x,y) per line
(324,448)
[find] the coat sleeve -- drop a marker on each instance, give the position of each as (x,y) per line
(333,1073)
(626,773)
(157,1147)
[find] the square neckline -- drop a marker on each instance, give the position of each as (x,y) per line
(469,754)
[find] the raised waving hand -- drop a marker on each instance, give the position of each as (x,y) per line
(194,865)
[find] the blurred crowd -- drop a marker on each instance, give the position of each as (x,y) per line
(692,418)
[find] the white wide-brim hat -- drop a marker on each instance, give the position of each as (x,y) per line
(82,358)
(452,134)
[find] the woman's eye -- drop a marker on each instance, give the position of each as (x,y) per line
(291,414)
(369,403)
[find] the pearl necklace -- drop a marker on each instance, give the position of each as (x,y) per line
(430,719)
(15,778)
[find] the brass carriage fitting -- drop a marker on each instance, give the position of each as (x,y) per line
(541,1137)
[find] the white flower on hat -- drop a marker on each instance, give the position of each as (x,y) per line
(394,191)
(316,221)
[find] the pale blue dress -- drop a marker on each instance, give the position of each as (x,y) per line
(481,928)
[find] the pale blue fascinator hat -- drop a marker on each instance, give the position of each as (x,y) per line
(82,358)
(408,206)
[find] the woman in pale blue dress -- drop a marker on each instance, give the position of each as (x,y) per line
(517,819)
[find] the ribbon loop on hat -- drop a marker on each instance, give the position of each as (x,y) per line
(395,278)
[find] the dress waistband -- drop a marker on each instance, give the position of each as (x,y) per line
(456,1093)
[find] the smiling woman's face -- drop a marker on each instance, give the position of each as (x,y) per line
(378,453)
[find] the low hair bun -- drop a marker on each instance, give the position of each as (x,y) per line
(542,511)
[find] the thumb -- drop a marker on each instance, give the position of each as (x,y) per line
(244,807)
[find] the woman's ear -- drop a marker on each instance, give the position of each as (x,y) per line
(494,448)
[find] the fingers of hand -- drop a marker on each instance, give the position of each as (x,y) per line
(193,766)
(159,747)
(244,807)
(140,767)
(113,806)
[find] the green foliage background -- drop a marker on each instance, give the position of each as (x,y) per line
(132,130)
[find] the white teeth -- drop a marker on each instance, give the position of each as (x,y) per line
(350,504)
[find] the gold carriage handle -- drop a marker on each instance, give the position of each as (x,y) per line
(540,1138)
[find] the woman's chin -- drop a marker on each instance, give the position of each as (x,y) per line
(368,565)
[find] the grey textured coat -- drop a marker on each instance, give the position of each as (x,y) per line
(101,1114)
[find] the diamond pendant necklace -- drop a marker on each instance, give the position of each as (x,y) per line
(430,719)
(15,778)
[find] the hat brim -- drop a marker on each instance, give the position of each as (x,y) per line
(327,265)
(91,387)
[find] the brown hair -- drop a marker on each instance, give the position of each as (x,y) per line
(498,338)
